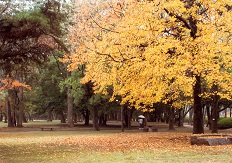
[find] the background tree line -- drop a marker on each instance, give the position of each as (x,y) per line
(113,61)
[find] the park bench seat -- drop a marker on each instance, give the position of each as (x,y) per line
(47,128)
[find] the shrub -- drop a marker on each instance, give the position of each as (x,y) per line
(224,123)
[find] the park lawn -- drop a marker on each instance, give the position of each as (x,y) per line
(106,146)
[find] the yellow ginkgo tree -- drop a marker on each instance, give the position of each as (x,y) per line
(156,51)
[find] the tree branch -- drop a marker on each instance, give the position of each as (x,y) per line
(179,18)
(5,8)
(190,24)
(58,41)
(103,27)
(224,108)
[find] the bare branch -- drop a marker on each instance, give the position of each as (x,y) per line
(58,41)
(103,27)
(2,10)
(179,17)
(189,23)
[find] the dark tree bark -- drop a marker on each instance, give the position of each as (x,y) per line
(5,117)
(95,118)
(145,119)
(25,120)
(209,116)
(69,104)
(49,117)
(166,115)
(198,124)
(29,116)
(127,116)
(171,118)
(1,116)
(20,107)
(130,112)
(103,120)
(190,116)
(181,118)
(125,112)
(86,115)
(61,117)
(122,118)
(215,109)
(75,117)
(9,117)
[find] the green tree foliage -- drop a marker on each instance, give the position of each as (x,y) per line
(29,36)
(46,96)
(29,33)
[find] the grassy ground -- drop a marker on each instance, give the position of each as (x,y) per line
(82,144)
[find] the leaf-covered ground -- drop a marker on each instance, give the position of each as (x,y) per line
(107,147)
(85,145)
(128,141)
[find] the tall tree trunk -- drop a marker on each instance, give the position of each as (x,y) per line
(181,117)
(130,112)
(122,118)
(25,120)
(86,115)
(225,112)
(171,118)
(95,118)
(9,117)
(20,107)
(101,118)
(75,117)
(215,109)
(69,104)
(166,115)
(145,119)
(29,116)
(5,117)
(14,116)
(127,116)
(49,117)
(1,115)
(105,120)
(119,115)
(198,125)
(70,107)
(61,117)
(190,116)
(209,116)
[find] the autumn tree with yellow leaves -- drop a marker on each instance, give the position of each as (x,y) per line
(15,112)
(156,51)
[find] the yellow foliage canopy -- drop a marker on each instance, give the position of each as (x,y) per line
(151,51)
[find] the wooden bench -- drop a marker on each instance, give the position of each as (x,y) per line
(47,128)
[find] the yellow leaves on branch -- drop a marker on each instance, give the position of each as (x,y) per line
(146,50)
(8,83)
